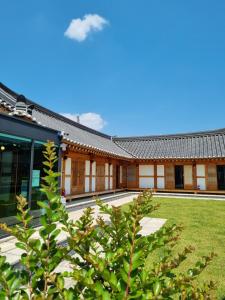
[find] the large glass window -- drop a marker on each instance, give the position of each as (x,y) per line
(15,160)
(37,175)
(14,172)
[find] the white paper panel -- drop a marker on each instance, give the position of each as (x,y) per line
(106,183)
(201,183)
(160,170)
(146,170)
(94,168)
(87,189)
(121,174)
(106,169)
(93,184)
(145,183)
(200,170)
(68,166)
(87,167)
(111,170)
(188,175)
(68,185)
(111,183)
(160,183)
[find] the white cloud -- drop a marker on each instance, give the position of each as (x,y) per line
(79,29)
(89,119)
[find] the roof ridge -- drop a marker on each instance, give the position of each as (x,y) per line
(54,114)
(171,136)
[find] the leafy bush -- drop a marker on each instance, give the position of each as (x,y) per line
(107,256)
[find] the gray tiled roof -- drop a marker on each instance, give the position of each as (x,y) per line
(74,131)
(208,144)
(81,135)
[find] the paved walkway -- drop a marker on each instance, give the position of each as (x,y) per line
(150,225)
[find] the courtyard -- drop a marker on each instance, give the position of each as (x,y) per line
(203,221)
(204,228)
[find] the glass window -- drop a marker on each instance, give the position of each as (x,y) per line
(14,172)
(37,174)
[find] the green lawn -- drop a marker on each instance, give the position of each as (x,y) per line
(204,228)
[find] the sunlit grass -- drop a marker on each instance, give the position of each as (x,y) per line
(204,228)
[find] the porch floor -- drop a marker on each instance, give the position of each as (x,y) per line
(93,194)
(193,191)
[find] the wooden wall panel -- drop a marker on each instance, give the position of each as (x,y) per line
(132,176)
(212,178)
(77,180)
(169,177)
(114,176)
(124,179)
(160,176)
(100,177)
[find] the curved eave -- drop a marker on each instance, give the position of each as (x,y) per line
(179,159)
(73,145)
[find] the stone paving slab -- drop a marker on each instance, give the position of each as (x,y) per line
(7,245)
(150,225)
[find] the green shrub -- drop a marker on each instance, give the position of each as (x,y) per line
(107,256)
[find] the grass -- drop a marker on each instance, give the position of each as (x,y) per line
(204,228)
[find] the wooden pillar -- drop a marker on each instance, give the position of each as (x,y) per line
(206,177)
(155,176)
(212,184)
(90,177)
(194,177)
(63,173)
(137,176)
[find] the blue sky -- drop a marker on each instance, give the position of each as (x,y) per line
(153,67)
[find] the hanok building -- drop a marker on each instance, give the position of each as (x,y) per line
(94,163)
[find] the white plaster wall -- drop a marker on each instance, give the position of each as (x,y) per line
(160,170)
(111,183)
(87,185)
(146,170)
(106,169)
(68,185)
(93,184)
(160,183)
(87,167)
(68,166)
(94,168)
(111,170)
(188,179)
(200,170)
(145,183)
(201,183)
(106,183)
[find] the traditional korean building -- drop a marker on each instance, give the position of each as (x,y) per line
(92,162)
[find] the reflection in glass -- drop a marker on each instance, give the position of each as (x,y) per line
(14,172)
(37,174)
